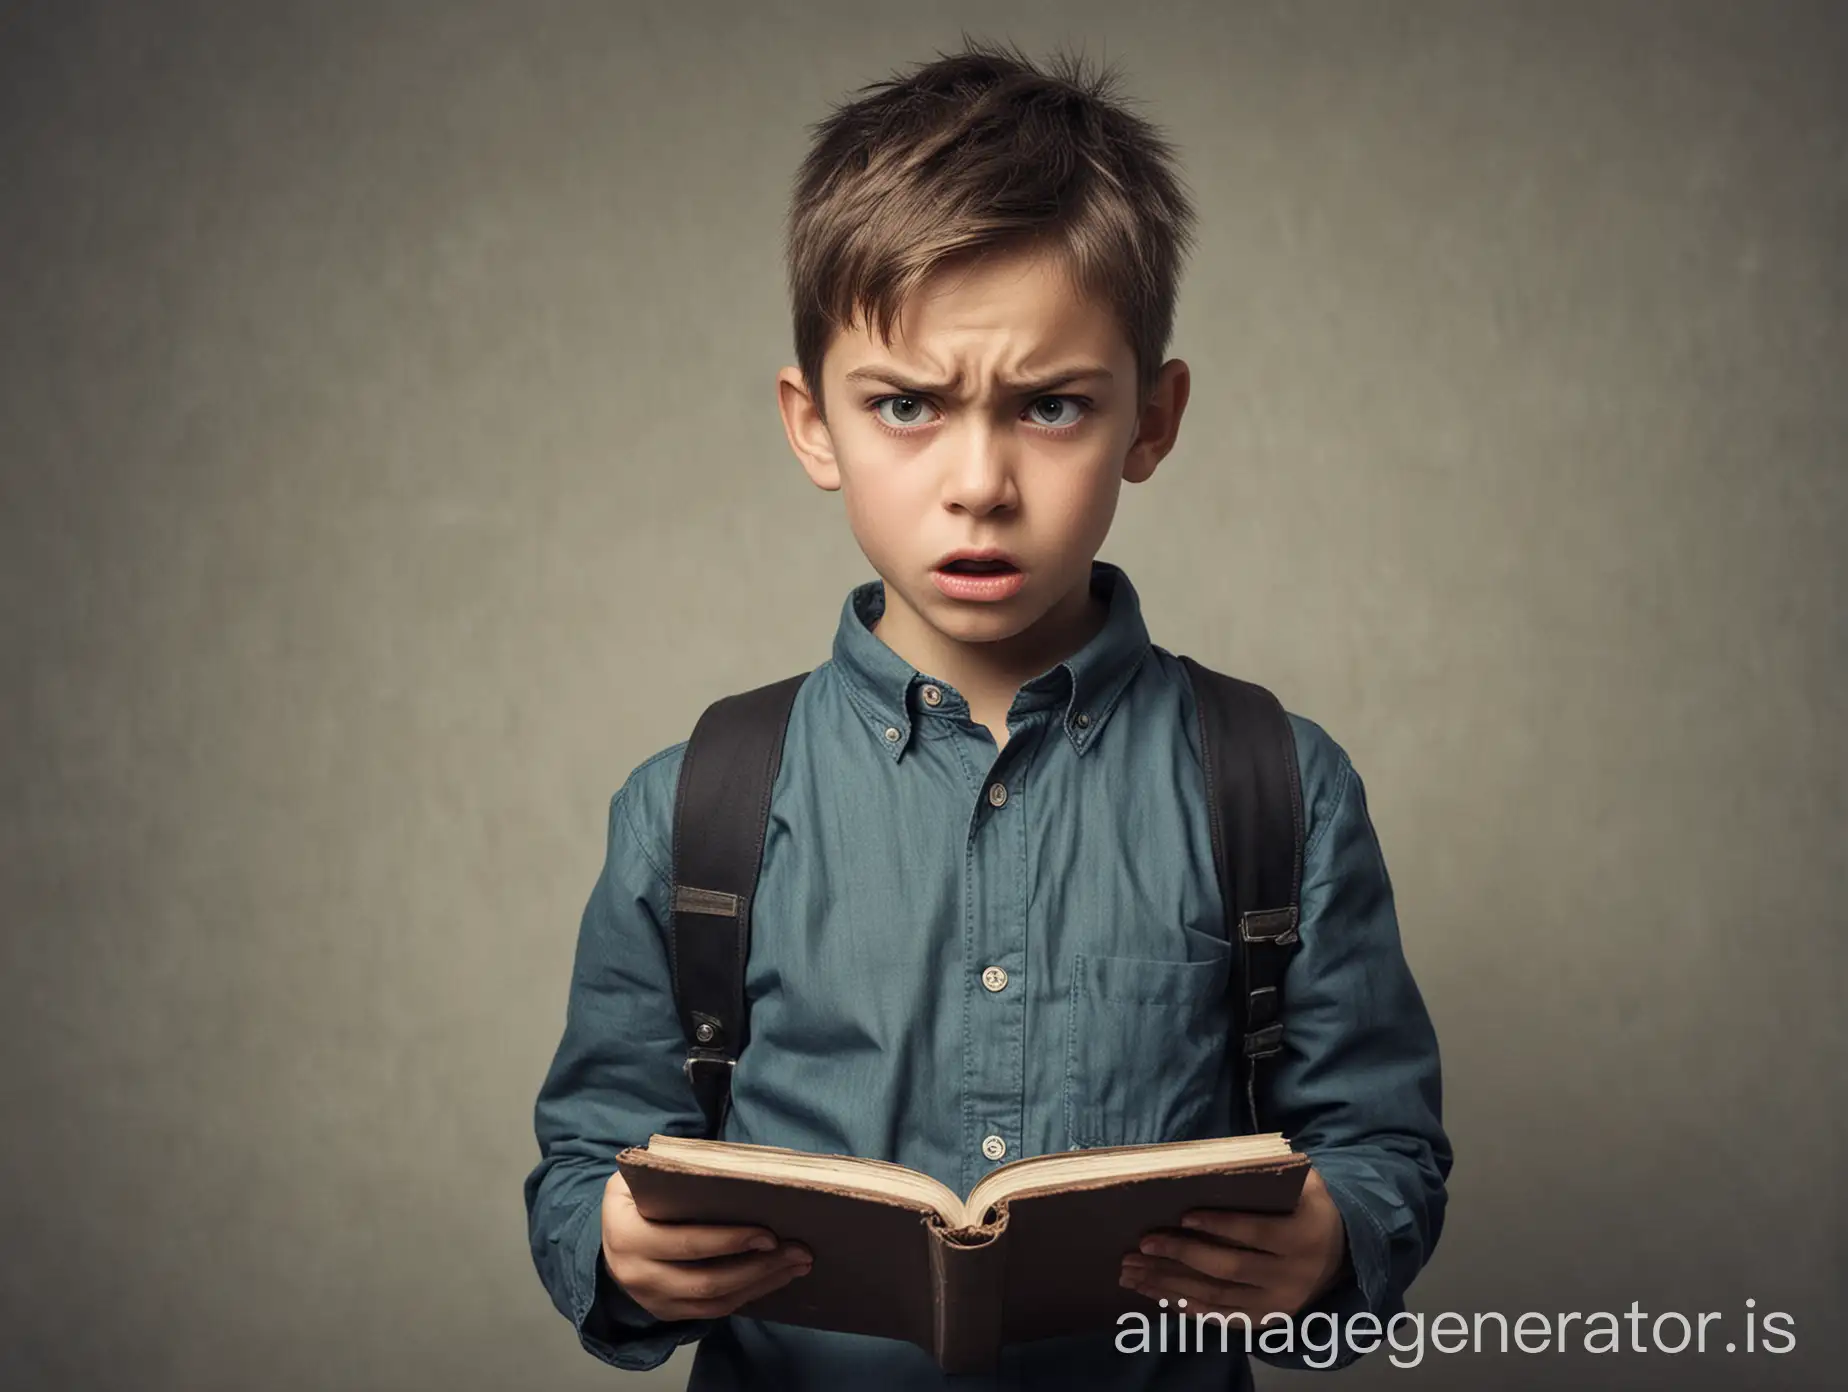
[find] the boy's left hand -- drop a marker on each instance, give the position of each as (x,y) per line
(1255,1262)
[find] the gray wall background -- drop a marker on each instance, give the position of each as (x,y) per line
(391,464)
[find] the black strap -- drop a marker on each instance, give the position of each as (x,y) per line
(721,811)
(1255,809)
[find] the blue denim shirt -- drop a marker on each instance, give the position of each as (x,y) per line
(905,855)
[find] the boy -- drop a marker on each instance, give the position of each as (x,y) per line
(987,923)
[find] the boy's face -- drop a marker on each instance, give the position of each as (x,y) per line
(967,443)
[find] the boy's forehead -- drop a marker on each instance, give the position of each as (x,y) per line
(1020,317)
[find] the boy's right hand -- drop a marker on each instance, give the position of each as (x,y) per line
(681,1271)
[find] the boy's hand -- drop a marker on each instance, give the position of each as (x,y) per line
(680,1271)
(1255,1262)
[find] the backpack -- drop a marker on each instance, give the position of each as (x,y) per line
(722,806)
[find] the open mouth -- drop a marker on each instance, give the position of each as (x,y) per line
(967,567)
(979,580)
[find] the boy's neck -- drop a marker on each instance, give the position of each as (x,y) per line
(990,674)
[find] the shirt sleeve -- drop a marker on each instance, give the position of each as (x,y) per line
(1357,1086)
(615,1079)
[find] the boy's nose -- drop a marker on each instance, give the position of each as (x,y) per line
(982,477)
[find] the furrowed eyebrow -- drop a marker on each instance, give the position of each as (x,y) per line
(887,377)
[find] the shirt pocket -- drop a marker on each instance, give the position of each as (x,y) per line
(1145,1043)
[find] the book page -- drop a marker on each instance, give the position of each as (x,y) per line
(883,1179)
(1041,1172)
(875,1178)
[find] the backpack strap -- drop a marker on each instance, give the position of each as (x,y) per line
(721,812)
(1255,809)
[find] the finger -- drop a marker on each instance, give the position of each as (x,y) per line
(1165,1269)
(1217,1259)
(633,1231)
(1166,1278)
(1262,1232)
(684,1242)
(776,1279)
(717,1278)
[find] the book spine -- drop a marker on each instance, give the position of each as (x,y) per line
(967,1271)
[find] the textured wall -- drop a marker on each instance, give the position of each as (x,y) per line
(390,463)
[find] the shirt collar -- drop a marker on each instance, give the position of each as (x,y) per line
(1087,685)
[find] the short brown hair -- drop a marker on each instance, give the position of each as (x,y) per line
(981,150)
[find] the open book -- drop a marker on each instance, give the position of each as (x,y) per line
(1033,1251)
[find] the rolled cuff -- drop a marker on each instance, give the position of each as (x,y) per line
(611,1324)
(1366,1288)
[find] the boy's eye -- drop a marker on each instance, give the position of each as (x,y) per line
(1068,417)
(907,411)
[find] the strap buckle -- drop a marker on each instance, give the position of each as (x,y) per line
(707,1057)
(1269,926)
(1262,1043)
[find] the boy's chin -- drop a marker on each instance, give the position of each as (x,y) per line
(978,624)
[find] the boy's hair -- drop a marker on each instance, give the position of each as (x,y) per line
(981,151)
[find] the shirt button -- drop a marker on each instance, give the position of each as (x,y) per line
(891,734)
(933,695)
(994,1147)
(1082,721)
(995,978)
(997,794)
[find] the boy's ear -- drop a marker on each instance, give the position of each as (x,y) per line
(1159,422)
(808,433)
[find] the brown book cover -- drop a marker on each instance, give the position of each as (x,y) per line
(1034,1252)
